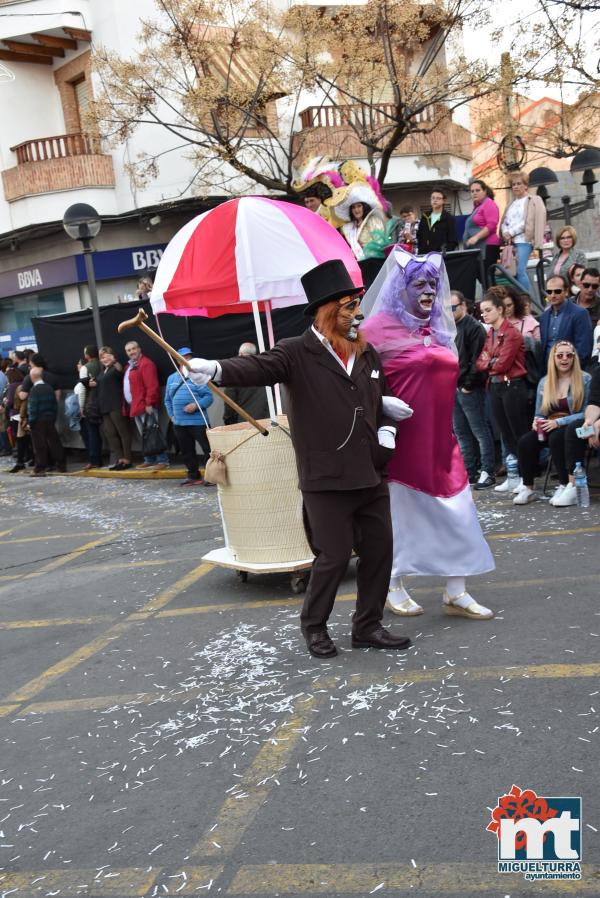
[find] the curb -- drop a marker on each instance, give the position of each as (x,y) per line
(133,474)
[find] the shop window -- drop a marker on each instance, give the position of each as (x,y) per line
(16,312)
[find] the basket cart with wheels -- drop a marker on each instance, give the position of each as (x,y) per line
(261,505)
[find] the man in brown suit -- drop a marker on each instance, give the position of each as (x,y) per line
(343,439)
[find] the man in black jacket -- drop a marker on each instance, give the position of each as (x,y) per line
(42,409)
(469,422)
(437,228)
(343,434)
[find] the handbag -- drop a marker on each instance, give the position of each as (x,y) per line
(508,259)
(153,442)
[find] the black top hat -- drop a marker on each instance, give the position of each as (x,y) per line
(328,281)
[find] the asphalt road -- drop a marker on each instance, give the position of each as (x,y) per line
(164,732)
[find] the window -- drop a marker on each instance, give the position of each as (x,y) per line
(82,99)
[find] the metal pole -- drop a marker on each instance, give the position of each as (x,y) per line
(91,279)
(566,201)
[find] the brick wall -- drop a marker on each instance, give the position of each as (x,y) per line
(53,175)
(64,77)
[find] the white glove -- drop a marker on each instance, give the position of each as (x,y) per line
(396,409)
(386,437)
(202,370)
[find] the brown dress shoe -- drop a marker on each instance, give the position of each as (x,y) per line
(320,644)
(380,639)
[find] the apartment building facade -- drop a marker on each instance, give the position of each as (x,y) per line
(48,161)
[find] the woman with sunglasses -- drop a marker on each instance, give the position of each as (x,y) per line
(561,398)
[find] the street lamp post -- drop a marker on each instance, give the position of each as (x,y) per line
(585,161)
(82,222)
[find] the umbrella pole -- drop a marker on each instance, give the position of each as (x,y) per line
(261,346)
(271,337)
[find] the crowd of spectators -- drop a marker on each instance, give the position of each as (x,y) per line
(534,382)
(527,383)
(111,402)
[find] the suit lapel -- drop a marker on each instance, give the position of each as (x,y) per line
(323,356)
(360,365)
(326,359)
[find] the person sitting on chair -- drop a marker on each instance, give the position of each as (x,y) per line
(561,397)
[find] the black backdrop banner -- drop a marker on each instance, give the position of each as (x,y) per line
(464,268)
(61,338)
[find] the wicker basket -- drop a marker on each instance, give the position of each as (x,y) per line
(261,505)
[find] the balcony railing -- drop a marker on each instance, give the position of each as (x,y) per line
(335,130)
(52,164)
(60,147)
(355,115)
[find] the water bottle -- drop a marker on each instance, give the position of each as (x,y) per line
(581,485)
(512,472)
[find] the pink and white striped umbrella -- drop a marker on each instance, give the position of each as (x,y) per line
(244,250)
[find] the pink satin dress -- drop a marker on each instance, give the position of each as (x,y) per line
(435,522)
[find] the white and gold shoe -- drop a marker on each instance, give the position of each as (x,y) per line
(399,602)
(464,605)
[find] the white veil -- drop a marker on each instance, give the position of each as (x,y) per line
(387,294)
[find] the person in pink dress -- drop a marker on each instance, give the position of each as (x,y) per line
(435,524)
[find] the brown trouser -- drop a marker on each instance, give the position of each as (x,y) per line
(335,523)
(45,440)
(118,434)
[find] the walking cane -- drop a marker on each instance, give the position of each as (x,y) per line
(139,320)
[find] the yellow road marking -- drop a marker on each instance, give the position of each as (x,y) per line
(7,709)
(351,596)
(254,603)
(169,594)
(107,882)
(102,702)
(232,606)
(536,533)
(128,881)
(74,534)
(239,810)
(362,879)
(465,674)
(71,556)
(53,673)
(197,879)
(53,622)
(45,679)
(109,566)
(522,672)
(63,559)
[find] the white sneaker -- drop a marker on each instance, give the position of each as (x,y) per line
(557,492)
(567,497)
(519,486)
(524,496)
(503,487)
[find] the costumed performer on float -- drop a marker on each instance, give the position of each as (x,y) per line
(317,180)
(435,524)
(343,428)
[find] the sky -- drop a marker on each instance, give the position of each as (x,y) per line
(505,15)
